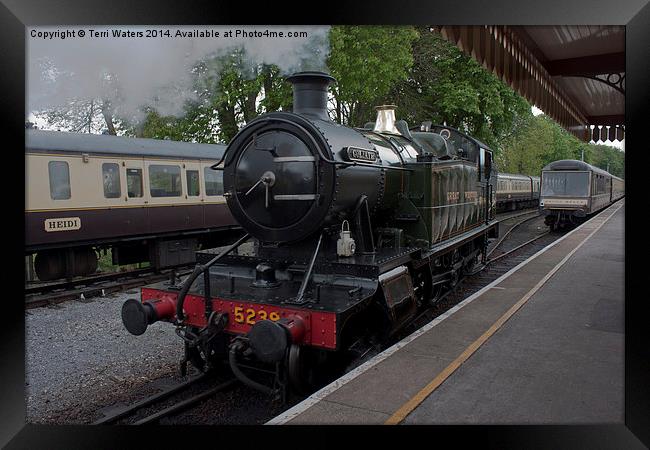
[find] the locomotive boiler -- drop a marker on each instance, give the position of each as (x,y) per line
(351,234)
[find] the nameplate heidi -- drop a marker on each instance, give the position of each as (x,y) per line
(63,224)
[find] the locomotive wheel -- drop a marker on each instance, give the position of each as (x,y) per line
(455,278)
(301,375)
(436,293)
(469,267)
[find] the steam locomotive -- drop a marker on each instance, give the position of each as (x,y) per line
(351,234)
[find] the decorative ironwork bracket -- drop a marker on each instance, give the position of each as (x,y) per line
(615,80)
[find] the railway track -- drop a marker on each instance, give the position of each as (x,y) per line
(43,294)
(502,217)
(35,287)
(511,223)
(168,402)
(508,252)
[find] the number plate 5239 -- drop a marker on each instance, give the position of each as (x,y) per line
(250,316)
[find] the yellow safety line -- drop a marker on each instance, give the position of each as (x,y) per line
(418,398)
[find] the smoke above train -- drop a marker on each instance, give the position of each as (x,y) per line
(153,65)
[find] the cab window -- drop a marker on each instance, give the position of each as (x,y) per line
(485,166)
(59,180)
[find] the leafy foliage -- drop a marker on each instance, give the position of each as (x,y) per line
(603,156)
(542,141)
(447,86)
(367,61)
(228,94)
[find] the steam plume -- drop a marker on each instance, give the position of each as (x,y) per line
(133,72)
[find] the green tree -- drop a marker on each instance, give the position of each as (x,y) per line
(542,141)
(228,91)
(604,155)
(367,61)
(446,86)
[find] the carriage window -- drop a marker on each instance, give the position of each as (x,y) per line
(213,181)
(59,180)
(134,182)
(165,181)
(192,182)
(111,177)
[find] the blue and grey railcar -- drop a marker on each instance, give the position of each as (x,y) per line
(573,190)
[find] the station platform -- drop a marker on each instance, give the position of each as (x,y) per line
(542,344)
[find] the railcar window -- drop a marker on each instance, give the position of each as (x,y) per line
(192,182)
(111,177)
(134,182)
(213,181)
(165,181)
(59,180)
(601,185)
(565,184)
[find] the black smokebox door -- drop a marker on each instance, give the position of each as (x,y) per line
(283,168)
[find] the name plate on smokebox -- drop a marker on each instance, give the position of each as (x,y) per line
(361,154)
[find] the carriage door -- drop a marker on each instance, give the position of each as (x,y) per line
(193,194)
(133,196)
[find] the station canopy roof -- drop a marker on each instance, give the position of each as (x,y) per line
(575,74)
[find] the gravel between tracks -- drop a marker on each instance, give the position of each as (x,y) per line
(80,358)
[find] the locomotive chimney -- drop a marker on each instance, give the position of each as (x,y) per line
(385,122)
(310,93)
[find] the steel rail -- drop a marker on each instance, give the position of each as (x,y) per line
(507,233)
(530,241)
(147,401)
(513,216)
(36,287)
(125,280)
(177,407)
